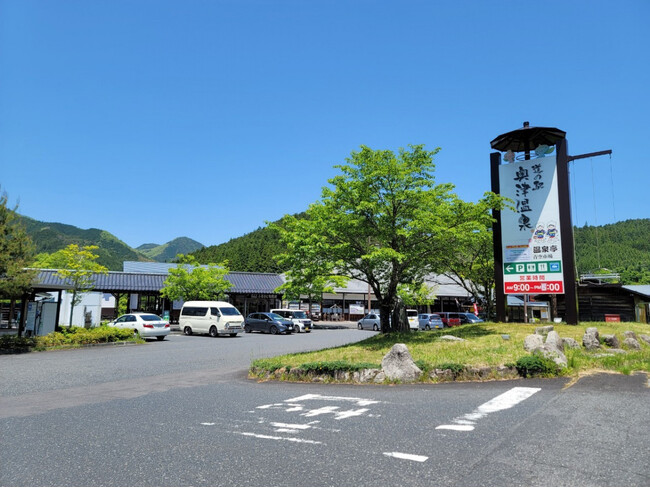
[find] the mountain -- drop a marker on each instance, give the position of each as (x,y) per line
(622,247)
(165,253)
(49,237)
(251,252)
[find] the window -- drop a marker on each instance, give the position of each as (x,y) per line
(150,317)
(194,311)
(214,311)
(229,311)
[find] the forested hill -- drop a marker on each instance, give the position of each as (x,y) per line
(49,237)
(165,253)
(623,247)
(251,252)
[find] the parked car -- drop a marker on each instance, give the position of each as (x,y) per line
(458,318)
(428,321)
(268,322)
(412,316)
(210,317)
(370,321)
(301,323)
(144,324)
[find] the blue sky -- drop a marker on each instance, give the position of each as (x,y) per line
(158,119)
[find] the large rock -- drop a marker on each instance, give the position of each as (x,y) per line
(590,339)
(630,334)
(533,341)
(543,331)
(631,343)
(611,340)
(645,338)
(552,352)
(399,365)
(553,339)
(570,342)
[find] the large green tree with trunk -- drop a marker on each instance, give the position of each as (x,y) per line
(384,220)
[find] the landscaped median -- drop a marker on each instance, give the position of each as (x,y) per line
(69,337)
(483,351)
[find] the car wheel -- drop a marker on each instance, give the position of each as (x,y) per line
(427,327)
(273,330)
(375,327)
(213,331)
(247,329)
(136,333)
(359,326)
(160,338)
(187,331)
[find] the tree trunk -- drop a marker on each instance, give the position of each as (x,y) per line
(385,310)
(400,321)
(72,305)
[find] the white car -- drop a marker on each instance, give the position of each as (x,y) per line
(144,324)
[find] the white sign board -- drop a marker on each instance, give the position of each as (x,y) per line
(532,251)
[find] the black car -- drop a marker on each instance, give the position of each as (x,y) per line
(268,322)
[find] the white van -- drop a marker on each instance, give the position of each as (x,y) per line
(412,316)
(208,317)
(301,323)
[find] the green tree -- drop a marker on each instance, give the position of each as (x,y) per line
(16,253)
(191,281)
(384,221)
(77,266)
(308,273)
(472,267)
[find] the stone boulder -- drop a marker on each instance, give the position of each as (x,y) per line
(611,340)
(570,342)
(630,334)
(399,365)
(451,338)
(533,341)
(553,339)
(590,339)
(544,331)
(552,352)
(645,338)
(631,343)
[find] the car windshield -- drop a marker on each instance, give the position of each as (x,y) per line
(150,317)
(299,314)
(275,316)
(229,311)
(471,316)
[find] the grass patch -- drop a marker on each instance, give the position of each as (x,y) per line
(484,347)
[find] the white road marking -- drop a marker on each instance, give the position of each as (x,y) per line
(311,396)
(290,426)
(277,438)
(207,423)
(502,402)
(409,457)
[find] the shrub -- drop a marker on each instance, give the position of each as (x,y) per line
(16,344)
(536,365)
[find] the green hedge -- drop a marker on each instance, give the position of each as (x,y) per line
(68,336)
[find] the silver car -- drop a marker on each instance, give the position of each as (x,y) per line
(428,321)
(370,321)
